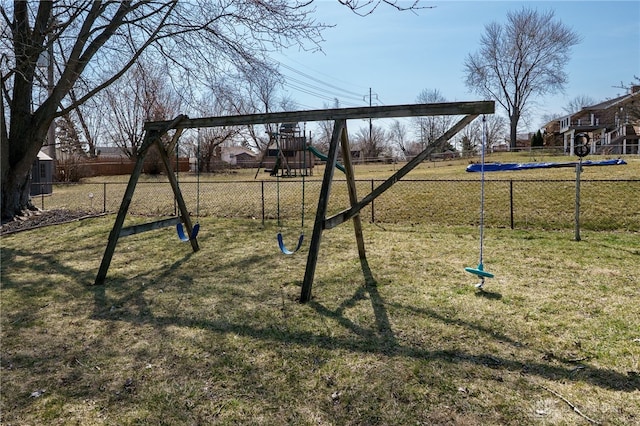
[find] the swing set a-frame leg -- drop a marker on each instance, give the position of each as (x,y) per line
(151,137)
(322,222)
(122,213)
(339,136)
(184,213)
(353,197)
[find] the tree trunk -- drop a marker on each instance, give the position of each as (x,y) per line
(15,195)
(513,133)
(19,151)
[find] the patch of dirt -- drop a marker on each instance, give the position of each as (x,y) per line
(40,218)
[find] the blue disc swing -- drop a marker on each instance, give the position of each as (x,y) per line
(281,245)
(479,270)
(182,235)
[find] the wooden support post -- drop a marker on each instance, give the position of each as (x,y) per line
(353,196)
(347,214)
(151,136)
(144,227)
(323,202)
(184,213)
(322,222)
(122,212)
(283,163)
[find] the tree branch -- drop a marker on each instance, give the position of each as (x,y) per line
(573,407)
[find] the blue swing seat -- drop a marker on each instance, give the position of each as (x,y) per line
(181,234)
(284,249)
(479,271)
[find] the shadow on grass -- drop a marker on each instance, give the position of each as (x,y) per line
(381,340)
(365,340)
(137,296)
(488,294)
(384,338)
(43,264)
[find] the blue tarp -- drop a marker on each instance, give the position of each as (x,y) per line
(503,167)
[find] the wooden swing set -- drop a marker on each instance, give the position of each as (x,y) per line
(156,129)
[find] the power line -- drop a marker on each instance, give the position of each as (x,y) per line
(331,77)
(317,87)
(321,89)
(317,80)
(313,93)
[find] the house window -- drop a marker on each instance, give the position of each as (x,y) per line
(43,171)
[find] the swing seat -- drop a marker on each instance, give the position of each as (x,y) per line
(181,234)
(479,271)
(284,249)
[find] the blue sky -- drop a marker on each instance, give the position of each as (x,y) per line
(399,54)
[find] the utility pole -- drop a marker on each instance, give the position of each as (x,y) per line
(370,96)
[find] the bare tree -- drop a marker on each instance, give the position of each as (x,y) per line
(94,43)
(398,133)
(70,150)
(142,94)
(547,118)
(372,142)
(97,42)
(496,129)
(325,128)
(471,135)
(261,95)
(523,58)
(577,103)
(209,143)
(430,128)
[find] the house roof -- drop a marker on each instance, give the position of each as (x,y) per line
(237,150)
(602,106)
(611,102)
(44,157)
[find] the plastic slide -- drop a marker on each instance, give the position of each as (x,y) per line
(324,157)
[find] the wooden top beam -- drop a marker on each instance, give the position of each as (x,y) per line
(386,111)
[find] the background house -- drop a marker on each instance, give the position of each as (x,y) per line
(239,156)
(613,126)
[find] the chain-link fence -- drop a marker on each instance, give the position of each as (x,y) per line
(518,204)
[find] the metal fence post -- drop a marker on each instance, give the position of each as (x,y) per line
(104,197)
(511,201)
(262,191)
(577,213)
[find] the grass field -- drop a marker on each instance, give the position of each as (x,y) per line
(219,337)
(434,192)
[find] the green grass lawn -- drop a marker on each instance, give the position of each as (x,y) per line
(218,336)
